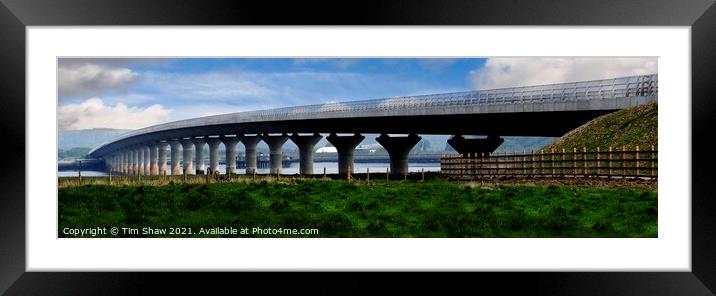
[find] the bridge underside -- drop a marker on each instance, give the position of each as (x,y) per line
(547,124)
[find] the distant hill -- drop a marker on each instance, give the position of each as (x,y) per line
(88,138)
(627,127)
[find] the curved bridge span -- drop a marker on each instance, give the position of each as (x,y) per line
(543,110)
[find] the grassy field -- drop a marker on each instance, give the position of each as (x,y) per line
(436,208)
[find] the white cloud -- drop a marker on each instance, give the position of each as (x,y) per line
(208,85)
(93,113)
(252,89)
(511,72)
(92,79)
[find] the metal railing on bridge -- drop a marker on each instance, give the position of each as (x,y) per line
(622,87)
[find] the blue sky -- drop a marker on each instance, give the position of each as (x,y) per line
(134,93)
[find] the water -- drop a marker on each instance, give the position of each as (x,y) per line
(331,168)
(84,174)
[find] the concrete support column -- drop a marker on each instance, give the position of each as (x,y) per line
(275,144)
(230,145)
(345,146)
(398,148)
(188,159)
(162,158)
(305,148)
(135,158)
(120,169)
(140,160)
(475,147)
(147,160)
(250,143)
(199,148)
(108,164)
(153,159)
(125,164)
(213,153)
(175,146)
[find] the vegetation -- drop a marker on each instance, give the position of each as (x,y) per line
(77,152)
(627,127)
(435,208)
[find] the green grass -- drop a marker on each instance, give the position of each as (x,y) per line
(436,208)
(627,127)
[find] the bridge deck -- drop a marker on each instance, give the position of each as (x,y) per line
(544,110)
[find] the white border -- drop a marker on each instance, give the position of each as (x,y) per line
(671,251)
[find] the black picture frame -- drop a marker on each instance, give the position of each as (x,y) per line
(16,15)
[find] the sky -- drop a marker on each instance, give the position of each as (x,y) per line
(132,93)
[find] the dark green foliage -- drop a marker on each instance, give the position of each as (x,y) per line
(397,209)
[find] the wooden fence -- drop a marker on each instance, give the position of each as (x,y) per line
(612,162)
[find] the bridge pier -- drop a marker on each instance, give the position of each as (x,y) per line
(153,168)
(398,148)
(140,160)
(213,153)
(199,148)
(305,149)
(147,160)
(108,164)
(135,161)
(475,147)
(126,165)
(175,146)
(250,143)
(162,158)
(120,169)
(188,156)
(275,144)
(345,145)
(230,144)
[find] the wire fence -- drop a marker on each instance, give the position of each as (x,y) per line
(619,162)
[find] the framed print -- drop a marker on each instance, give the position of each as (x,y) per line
(330,121)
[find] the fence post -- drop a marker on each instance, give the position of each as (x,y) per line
(561,165)
(532,161)
(623,163)
(497,163)
(610,163)
(637,160)
(584,158)
(524,169)
(422,173)
(348,174)
(367,175)
(541,162)
(574,161)
(599,164)
(652,161)
(551,163)
(387,172)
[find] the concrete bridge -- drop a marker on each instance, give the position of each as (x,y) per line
(544,110)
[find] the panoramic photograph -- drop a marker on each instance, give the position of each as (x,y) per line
(345,147)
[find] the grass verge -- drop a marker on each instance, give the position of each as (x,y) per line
(436,208)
